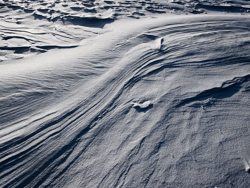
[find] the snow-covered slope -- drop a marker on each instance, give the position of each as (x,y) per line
(150,102)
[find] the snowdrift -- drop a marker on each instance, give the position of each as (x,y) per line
(153,102)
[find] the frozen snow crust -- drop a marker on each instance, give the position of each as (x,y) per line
(160,101)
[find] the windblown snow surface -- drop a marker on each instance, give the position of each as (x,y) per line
(158,101)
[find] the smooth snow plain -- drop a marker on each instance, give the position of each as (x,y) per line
(159,100)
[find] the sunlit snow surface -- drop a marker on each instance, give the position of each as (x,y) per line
(160,101)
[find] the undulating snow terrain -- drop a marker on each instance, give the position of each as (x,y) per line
(124,94)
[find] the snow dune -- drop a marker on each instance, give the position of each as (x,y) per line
(154,102)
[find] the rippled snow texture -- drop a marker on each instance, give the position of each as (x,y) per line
(67,116)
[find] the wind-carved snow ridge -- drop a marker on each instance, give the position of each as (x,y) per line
(162,103)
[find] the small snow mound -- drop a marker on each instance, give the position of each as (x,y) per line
(246,164)
(157,44)
(146,104)
(160,41)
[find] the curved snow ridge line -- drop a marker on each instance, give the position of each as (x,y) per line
(50,153)
(39,132)
(111,73)
(20,141)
